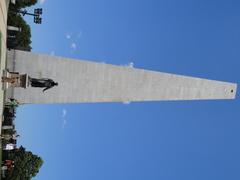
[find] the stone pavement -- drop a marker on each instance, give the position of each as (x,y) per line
(3,34)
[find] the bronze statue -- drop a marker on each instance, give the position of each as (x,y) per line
(43,82)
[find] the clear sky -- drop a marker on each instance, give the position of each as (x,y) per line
(152,140)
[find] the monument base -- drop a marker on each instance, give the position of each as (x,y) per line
(14,79)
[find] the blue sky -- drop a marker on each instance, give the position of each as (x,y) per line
(155,140)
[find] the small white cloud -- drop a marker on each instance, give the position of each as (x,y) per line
(126,102)
(79,35)
(73,46)
(41,1)
(68,36)
(64,120)
(64,123)
(130,65)
(52,53)
(64,113)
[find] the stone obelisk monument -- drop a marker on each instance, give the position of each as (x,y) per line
(85,81)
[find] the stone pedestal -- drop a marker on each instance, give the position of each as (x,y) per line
(14,80)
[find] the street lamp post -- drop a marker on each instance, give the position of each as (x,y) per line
(37,15)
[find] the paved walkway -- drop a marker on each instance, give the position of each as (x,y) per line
(3,34)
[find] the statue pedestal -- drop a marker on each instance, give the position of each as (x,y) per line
(14,79)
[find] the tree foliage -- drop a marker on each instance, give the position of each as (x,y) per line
(22,39)
(26,166)
(23,4)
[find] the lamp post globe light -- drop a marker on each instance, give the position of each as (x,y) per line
(37,20)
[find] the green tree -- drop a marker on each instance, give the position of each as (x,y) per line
(22,39)
(26,166)
(23,4)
